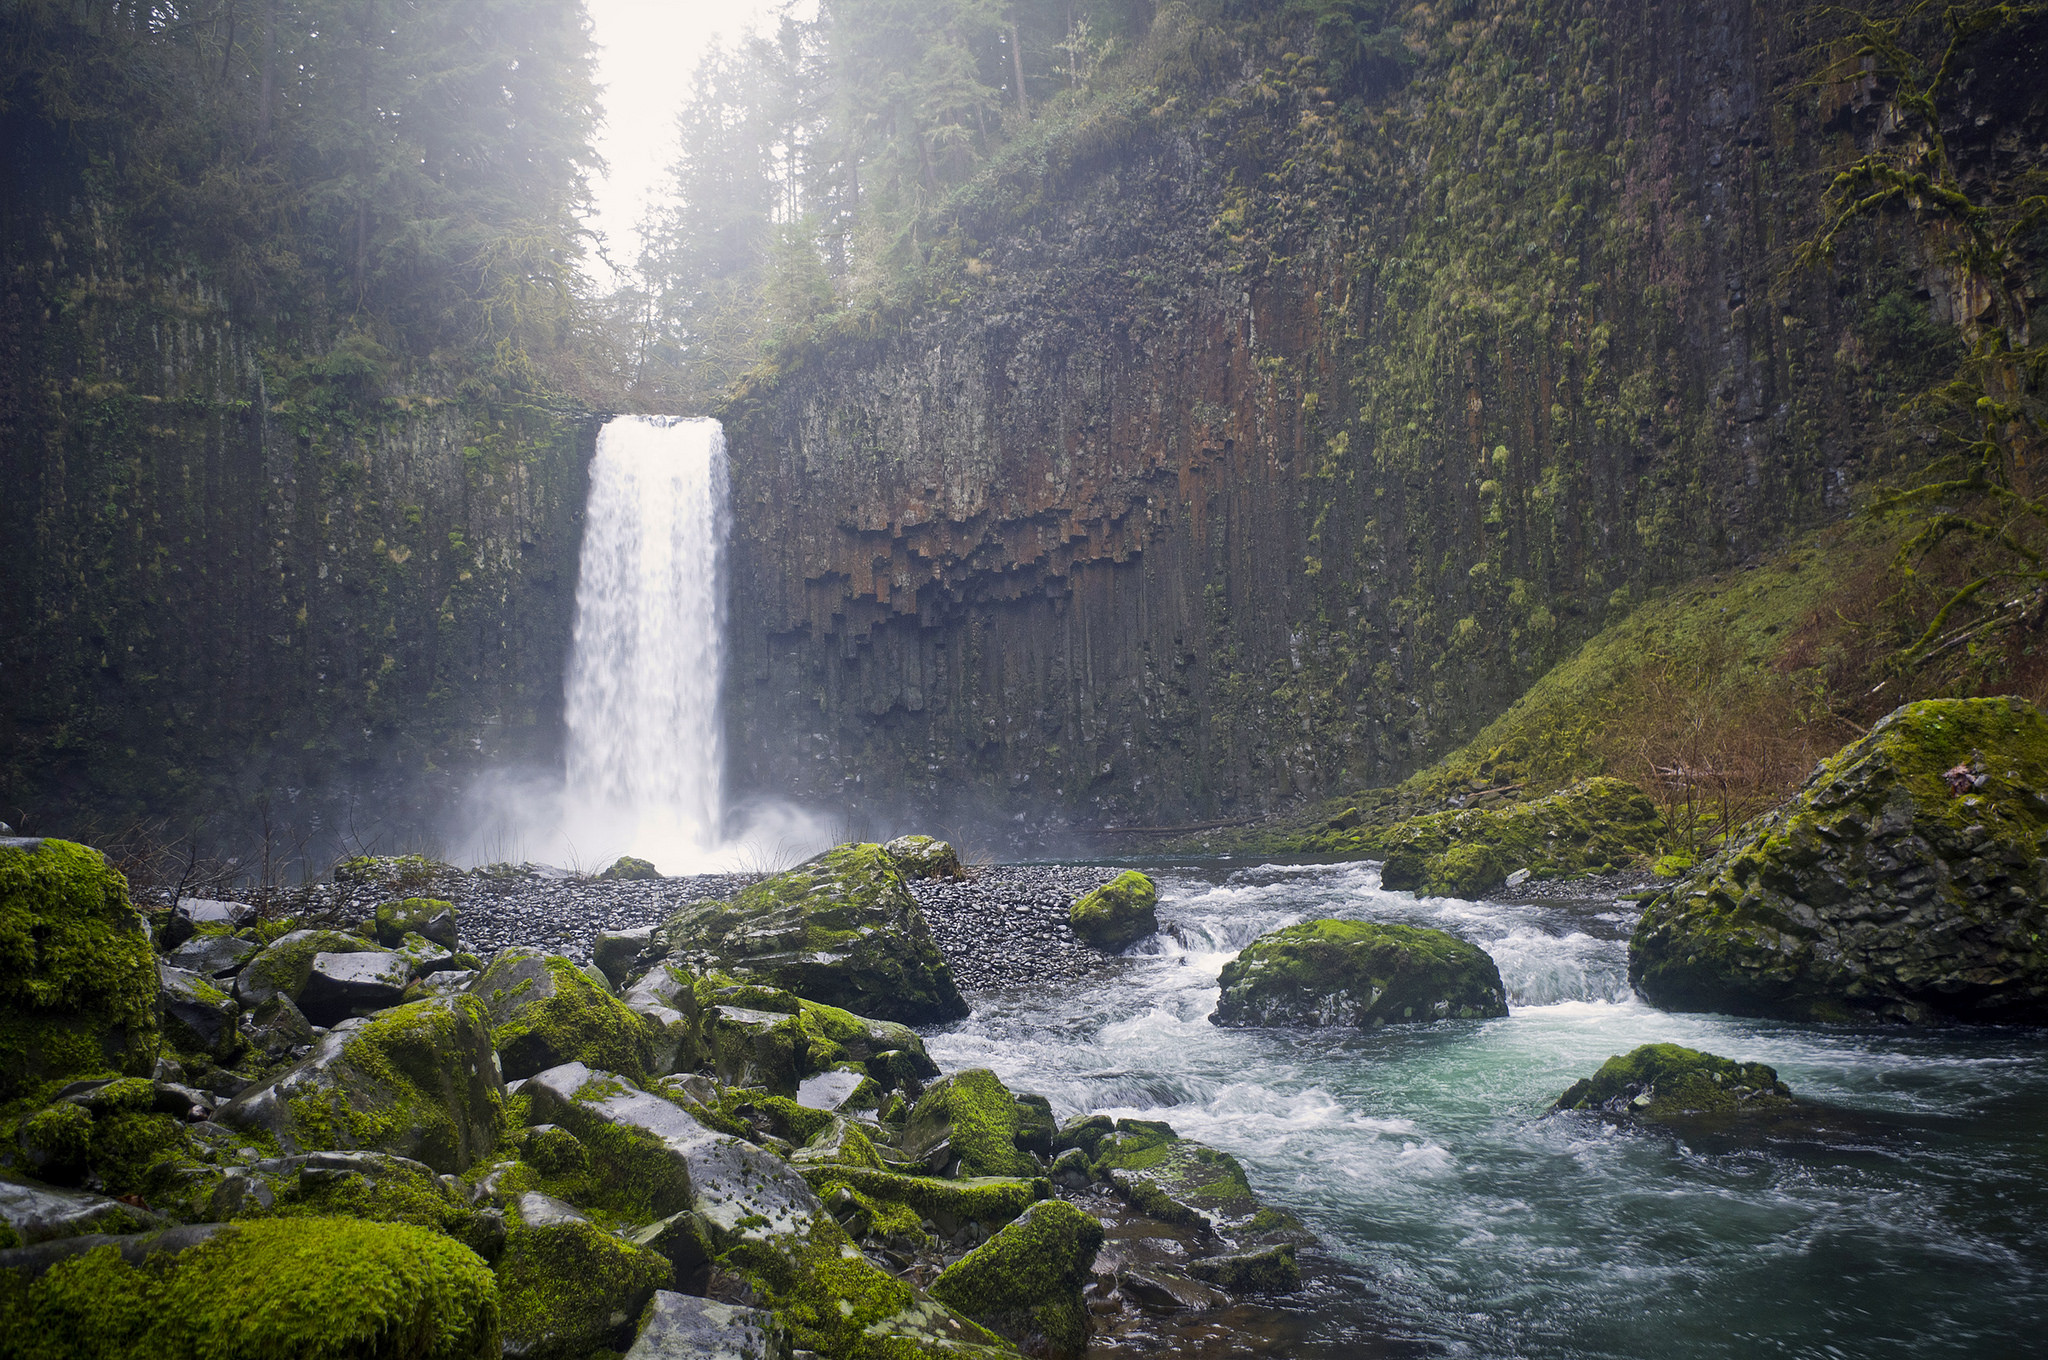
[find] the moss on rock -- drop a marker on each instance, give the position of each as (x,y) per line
(1118,914)
(312,1289)
(432,917)
(78,981)
(545,1011)
(283,966)
(1332,973)
(990,1200)
(1593,825)
(1667,1082)
(841,929)
(1904,881)
(571,1288)
(626,869)
(1026,1281)
(977,1115)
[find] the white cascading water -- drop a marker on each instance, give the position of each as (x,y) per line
(646,757)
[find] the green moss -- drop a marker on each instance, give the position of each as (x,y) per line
(580,1022)
(58,1142)
(78,984)
(285,964)
(1362,973)
(1272,1271)
(625,868)
(865,1216)
(1173,1179)
(1118,914)
(313,1289)
(396,920)
(1666,1081)
(1026,1281)
(978,1115)
(1593,825)
(978,1200)
(564,1286)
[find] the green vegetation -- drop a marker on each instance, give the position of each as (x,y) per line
(1665,1081)
(78,983)
(318,1289)
(1325,973)
(572,1288)
(977,1115)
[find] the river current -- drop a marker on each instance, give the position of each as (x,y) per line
(1457,1220)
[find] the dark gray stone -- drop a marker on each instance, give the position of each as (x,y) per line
(682,1327)
(342,985)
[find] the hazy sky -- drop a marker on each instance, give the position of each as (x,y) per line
(647,52)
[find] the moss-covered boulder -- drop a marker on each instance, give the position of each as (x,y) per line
(199,1017)
(680,1327)
(970,1119)
(1358,973)
(1271,1270)
(313,1289)
(626,869)
(665,999)
(545,1011)
(1026,1281)
(919,857)
(1118,914)
(1593,825)
(126,1137)
(1174,1179)
(841,929)
(1905,881)
(433,917)
(569,1288)
(419,1081)
(283,967)
(1665,1082)
(622,955)
(31,1212)
(764,1036)
(78,981)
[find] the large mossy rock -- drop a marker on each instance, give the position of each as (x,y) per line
(1118,914)
(419,1081)
(1593,825)
(1664,1082)
(78,981)
(1907,880)
(840,929)
(1025,1282)
(1334,973)
(545,1011)
(569,1288)
(312,1289)
(285,965)
(971,1119)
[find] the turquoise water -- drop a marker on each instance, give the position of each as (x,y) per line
(1457,1220)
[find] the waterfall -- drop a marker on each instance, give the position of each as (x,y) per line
(645,752)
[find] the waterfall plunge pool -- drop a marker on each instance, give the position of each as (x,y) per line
(1458,1221)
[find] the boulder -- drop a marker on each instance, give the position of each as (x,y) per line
(78,980)
(626,869)
(212,955)
(419,1081)
(277,1028)
(680,1327)
(31,1213)
(1026,1281)
(204,915)
(199,1017)
(1905,881)
(1272,1270)
(762,1036)
(970,1119)
(282,967)
(665,999)
(917,857)
(428,916)
(358,983)
(1118,914)
(1180,1181)
(1323,974)
(316,1289)
(841,929)
(1664,1082)
(620,954)
(545,1011)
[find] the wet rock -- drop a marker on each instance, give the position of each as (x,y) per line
(566,1287)
(685,1241)
(1594,825)
(338,986)
(198,1017)
(277,1027)
(194,915)
(976,1118)
(31,1213)
(665,999)
(680,1327)
(1118,914)
(430,917)
(919,857)
(419,1081)
(620,954)
(1025,1282)
(78,980)
(545,1012)
(841,929)
(1358,973)
(537,1210)
(211,955)
(1271,1271)
(1183,1182)
(1884,889)
(830,1090)
(1164,1291)
(1668,1083)
(281,968)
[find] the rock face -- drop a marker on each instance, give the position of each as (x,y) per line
(419,1081)
(1904,881)
(546,1011)
(1331,973)
(1118,914)
(78,982)
(1025,1282)
(1667,1082)
(840,929)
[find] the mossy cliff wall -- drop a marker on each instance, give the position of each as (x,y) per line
(1269,438)
(224,568)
